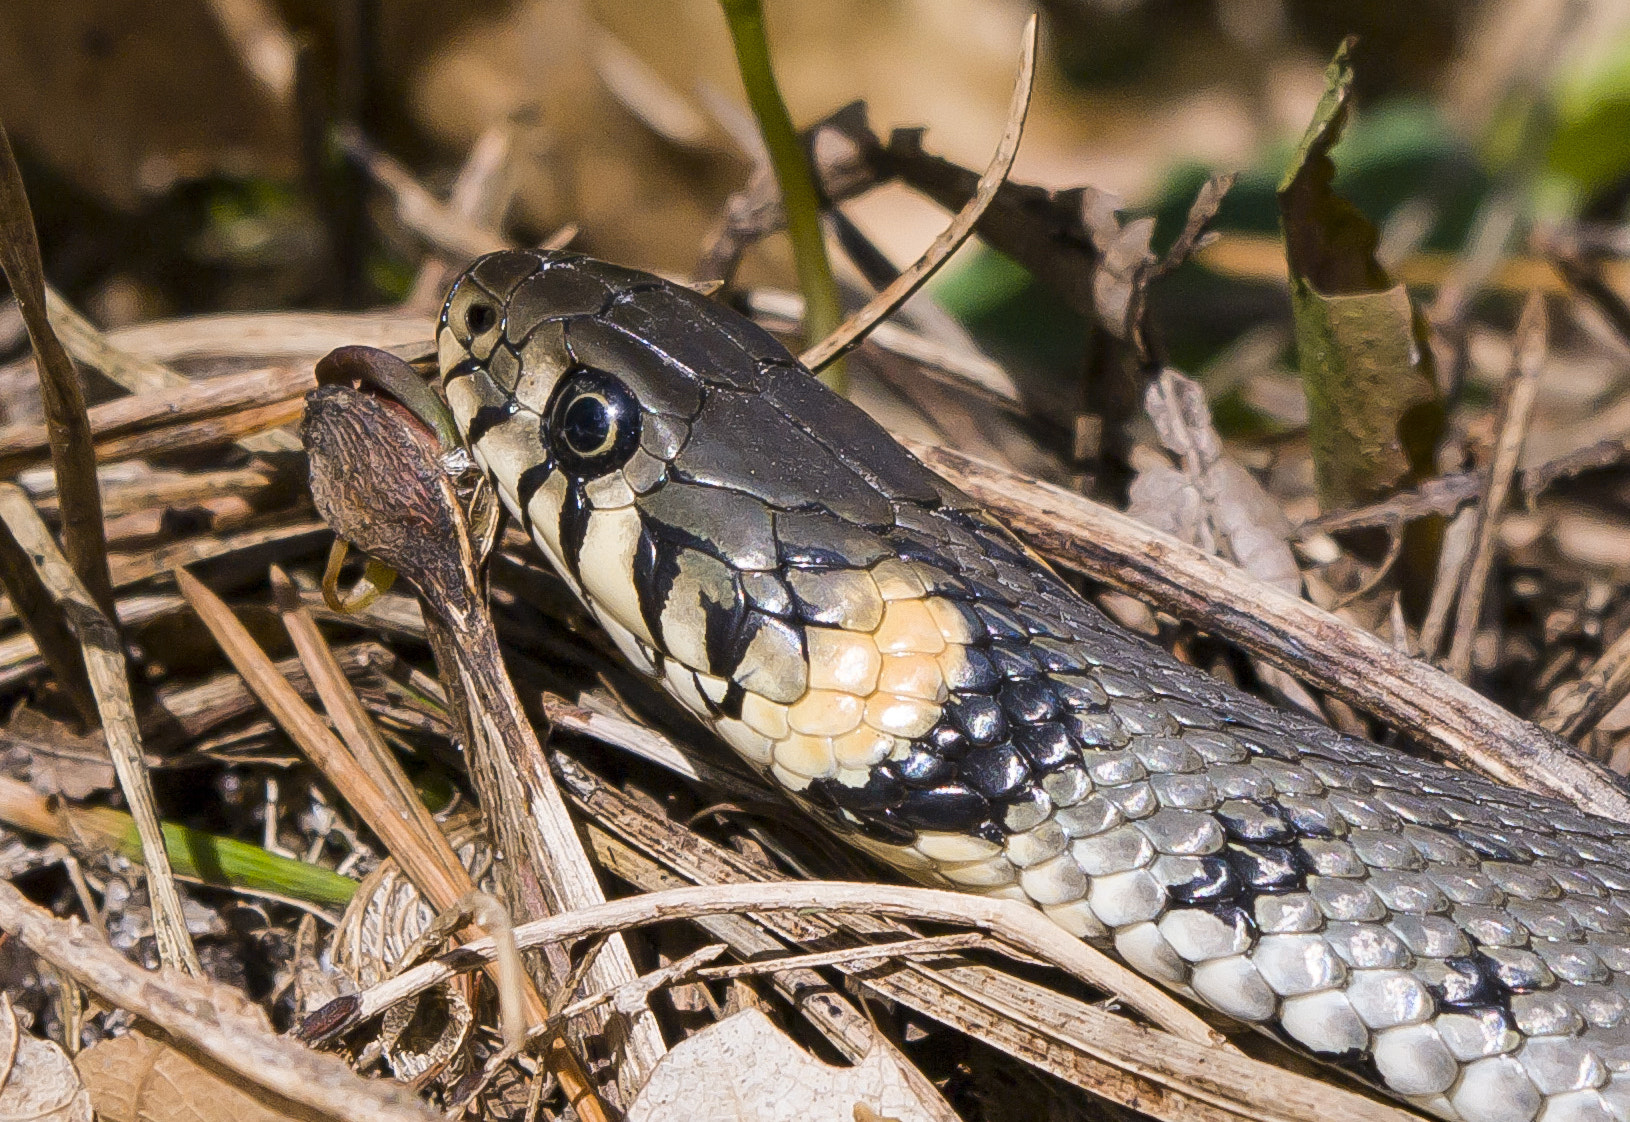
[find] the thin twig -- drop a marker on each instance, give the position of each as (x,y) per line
(965,370)
(445,230)
(210,1020)
(1574,710)
(1458,539)
(127,427)
(900,289)
(104,662)
(1527,362)
(133,370)
(72,453)
(480,195)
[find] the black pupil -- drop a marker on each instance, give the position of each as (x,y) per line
(479,318)
(585,425)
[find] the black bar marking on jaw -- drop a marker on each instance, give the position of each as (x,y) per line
(528,485)
(656,564)
(722,625)
(487,418)
(574,526)
(463,369)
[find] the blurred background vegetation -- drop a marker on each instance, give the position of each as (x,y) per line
(194,156)
(180,160)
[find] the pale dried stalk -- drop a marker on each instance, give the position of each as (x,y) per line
(1289,632)
(1522,388)
(105,671)
(136,372)
(118,425)
(854,329)
(872,954)
(62,399)
(1019,924)
(210,1021)
(1576,708)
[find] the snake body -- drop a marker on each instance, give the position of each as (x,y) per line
(898,663)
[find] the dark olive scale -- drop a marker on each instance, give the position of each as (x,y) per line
(1047,747)
(995,772)
(1213,883)
(947,807)
(1267,868)
(1053,711)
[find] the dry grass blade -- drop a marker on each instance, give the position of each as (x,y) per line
(162,420)
(1145,1070)
(378,480)
(104,667)
(1527,362)
(432,874)
(210,1021)
(135,372)
(63,400)
(854,329)
(391,789)
(1289,632)
(44,624)
(1017,924)
(1576,709)
(406,830)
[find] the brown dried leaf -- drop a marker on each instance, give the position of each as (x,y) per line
(1213,502)
(1374,411)
(60,761)
(134,1078)
(37,1079)
(746,1068)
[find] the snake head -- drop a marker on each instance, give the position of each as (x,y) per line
(746,536)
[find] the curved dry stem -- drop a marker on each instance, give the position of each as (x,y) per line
(854,328)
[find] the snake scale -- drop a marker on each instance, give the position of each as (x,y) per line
(900,665)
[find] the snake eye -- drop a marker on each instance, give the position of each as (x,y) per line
(594,423)
(478,318)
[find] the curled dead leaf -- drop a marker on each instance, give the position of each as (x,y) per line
(745,1068)
(37,1079)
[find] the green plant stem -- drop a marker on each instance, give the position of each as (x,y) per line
(823,309)
(226,862)
(209,858)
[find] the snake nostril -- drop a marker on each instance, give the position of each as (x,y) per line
(480,318)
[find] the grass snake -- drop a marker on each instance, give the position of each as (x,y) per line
(899,664)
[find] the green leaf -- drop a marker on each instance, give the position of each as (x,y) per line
(1374,412)
(1591,145)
